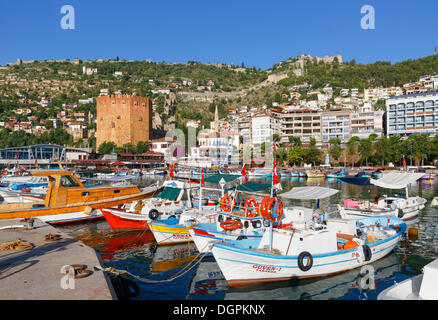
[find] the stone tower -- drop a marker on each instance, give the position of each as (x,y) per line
(123,119)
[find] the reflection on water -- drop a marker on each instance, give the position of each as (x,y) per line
(138,253)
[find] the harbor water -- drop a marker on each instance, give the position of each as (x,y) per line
(138,253)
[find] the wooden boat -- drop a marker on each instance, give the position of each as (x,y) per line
(68,200)
(315,174)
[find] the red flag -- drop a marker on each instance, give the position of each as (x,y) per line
(36,163)
(171,171)
(435,48)
(244,173)
(202,177)
(16,155)
(275,178)
(404,161)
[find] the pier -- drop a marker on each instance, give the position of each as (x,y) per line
(37,271)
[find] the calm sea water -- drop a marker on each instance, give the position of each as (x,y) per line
(138,253)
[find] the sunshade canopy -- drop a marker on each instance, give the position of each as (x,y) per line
(170,193)
(252,187)
(218,177)
(309,193)
(397,180)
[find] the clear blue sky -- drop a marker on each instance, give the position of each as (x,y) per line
(259,33)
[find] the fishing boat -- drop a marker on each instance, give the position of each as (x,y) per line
(420,287)
(337,174)
(402,206)
(170,202)
(206,201)
(260,172)
(249,220)
(68,200)
(176,230)
(307,251)
(294,174)
(315,174)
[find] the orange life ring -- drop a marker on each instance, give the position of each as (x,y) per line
(19,173)
(254,205)
(263,208)
(278,210)
(232,224)
(228,203)
(5,172)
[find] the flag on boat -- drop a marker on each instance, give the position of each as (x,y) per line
(171,170)
(275,179)
(244,173)
(404,161)
(202,177)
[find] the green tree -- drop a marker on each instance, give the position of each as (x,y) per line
(106,147)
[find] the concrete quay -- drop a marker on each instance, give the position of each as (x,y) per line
(36,273)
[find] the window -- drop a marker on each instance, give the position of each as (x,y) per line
(68,181)
(113,125)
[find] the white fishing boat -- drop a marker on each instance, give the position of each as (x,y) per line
(248,220)
(420,287)
(306,251)
(402,206)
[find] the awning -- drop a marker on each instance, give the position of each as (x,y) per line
(251,187)
(309,193)
(170,193)
(397,180)
(218,177)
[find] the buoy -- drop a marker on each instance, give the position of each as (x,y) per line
(413,232)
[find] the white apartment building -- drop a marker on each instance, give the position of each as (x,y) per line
(335,124)
(374,94)
(221,148)
(263,127)
(367,121)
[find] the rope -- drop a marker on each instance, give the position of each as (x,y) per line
(182,272)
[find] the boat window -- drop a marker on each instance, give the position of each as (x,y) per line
(68,181)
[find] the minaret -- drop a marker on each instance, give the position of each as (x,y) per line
(216,120)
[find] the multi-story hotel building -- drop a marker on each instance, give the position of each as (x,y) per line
(335,124)
(412,114)
(302,123)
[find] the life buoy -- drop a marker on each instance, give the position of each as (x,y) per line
(263,208)
(4,172)
(367,252)
(231,224)
(251,208)
(19,173)
(278,209)
(153,214)
(228,203)
(308,265)
(400,213)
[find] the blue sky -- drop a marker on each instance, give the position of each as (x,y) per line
(259,33)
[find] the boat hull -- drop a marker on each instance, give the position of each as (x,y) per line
(122,221)
(169,234)
(242,267)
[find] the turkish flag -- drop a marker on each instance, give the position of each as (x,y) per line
(275,178)
(404,162)
(171,171)
(244,173)
(202,177)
